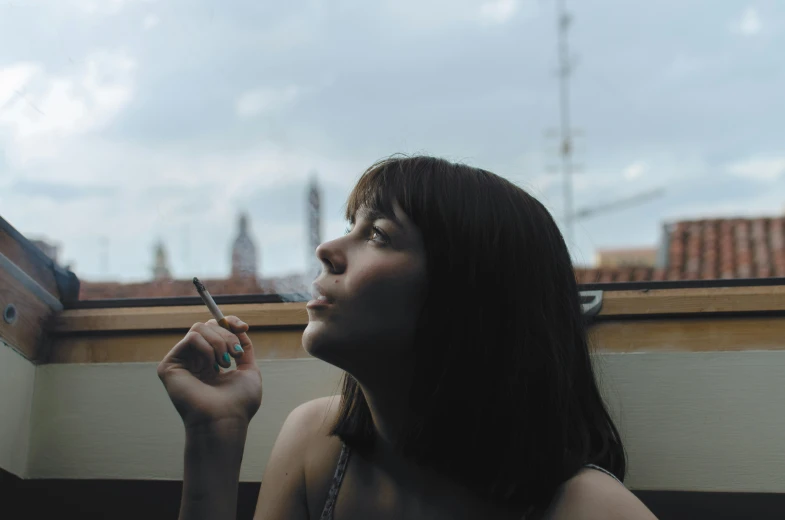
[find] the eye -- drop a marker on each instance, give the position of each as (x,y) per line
(379,236)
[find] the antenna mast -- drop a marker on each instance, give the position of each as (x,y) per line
(564,19)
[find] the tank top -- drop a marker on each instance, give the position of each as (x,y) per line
(340,471)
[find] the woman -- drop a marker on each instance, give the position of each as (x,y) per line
(452,306)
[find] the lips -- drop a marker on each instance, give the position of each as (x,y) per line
(318,294)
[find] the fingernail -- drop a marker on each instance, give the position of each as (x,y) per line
(216,367)
(227,359)
(242,324)
(238,348)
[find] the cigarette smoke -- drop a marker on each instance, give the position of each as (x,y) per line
(296,288)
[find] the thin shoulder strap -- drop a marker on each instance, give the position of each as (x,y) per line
(340,470)
(593,466)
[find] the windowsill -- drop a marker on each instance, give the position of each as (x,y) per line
(676,320)
(616,305)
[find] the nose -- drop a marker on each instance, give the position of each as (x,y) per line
(332,257)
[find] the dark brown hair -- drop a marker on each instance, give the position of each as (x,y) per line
(504,398)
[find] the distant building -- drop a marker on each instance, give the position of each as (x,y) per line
(690,250)
(161,263)
(244,261)
(244,278)
(638,257)
(314,216)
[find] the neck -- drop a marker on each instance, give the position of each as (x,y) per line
(386,392)
(385,382)
(387,412)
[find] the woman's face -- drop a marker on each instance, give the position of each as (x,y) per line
(374,283)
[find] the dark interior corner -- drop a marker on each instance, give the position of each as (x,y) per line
(153,500)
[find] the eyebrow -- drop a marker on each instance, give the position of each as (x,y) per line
(376,214)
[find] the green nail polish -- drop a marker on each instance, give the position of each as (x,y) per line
(227,359)
(216,367)
(238,348)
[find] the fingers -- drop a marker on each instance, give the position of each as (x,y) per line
(237,324)
(193,353)
(226,345)
(208,346)
(244,356)
(240,328)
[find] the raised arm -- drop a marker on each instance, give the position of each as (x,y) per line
(216,408)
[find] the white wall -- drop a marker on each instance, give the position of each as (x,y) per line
(707,421)
(113,421)
(17,381)
(700,421)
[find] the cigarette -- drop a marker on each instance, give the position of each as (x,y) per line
(211,305)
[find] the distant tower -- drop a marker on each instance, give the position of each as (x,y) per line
(314,209)
(161,264)
(243,252)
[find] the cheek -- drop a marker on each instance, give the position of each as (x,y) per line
(377,316)
(386,300)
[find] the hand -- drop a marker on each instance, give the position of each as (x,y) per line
(205,397)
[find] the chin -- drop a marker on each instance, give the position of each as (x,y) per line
(321,342)
(316,341)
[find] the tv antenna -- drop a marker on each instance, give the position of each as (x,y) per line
(565,132)
(632,200)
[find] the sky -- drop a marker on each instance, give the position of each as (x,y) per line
(125,122)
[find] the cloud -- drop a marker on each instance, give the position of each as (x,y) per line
(196,131)
(134,194)
(539,186)
(59,191)
(769,204)
(498,11)
(759,169)
(635,170)
(749,24)
(104,7)
(150,21)
(13,78)
(438,15)
(605,188)
(41,111)
(255,102)
(683,66)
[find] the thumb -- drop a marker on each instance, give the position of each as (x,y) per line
(240,329)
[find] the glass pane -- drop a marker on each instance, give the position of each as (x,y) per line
(145,142)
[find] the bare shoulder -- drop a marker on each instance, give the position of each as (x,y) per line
(322,450)
(292,469)
(315,416)
(593,495)
(307,431)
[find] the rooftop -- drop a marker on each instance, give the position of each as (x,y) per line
(708,249)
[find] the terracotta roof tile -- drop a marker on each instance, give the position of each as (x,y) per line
(711,249)
(179,288)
